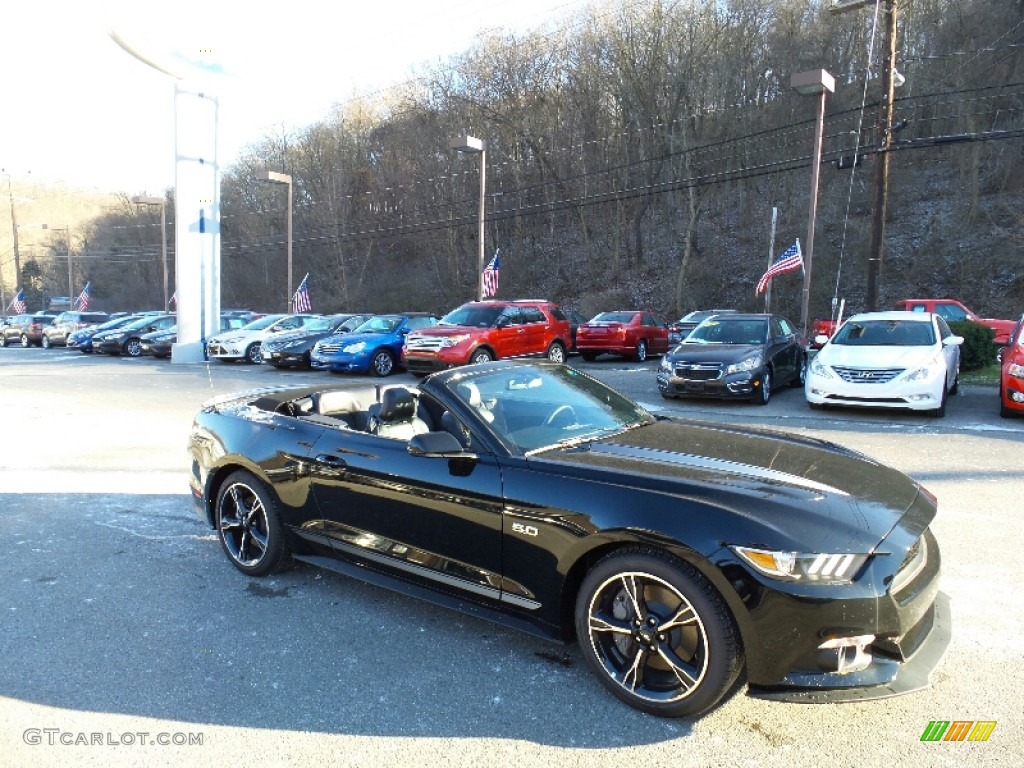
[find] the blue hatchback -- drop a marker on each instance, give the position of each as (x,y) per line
(374,347)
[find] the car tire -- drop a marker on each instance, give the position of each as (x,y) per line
(641,351)
(801,372)
(45,342)
(25,342)
(589,356)
(556,352)
(133,347)
(253,354)
(628,622)
(764,392)
(955,389)
(1004,412)
(3,340)
(249,526)
(481,356)
(382,363)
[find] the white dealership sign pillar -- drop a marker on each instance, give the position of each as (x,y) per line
(197,220)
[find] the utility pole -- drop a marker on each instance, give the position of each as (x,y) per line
(876,247)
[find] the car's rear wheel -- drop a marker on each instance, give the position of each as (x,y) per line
(556,352)
(133,347)
(764,393)
(383,363)
(481,356)
(253,354)
(249,526)
(657,634)
(46,341)
(3,340)
(641,351)
(25,342)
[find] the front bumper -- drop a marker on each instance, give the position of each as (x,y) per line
(282,357)
(347,364)
(733,385)
(924,397)
(418,363)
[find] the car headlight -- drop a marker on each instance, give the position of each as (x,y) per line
(351,349)
(818,368)
(665,365)
(745,365)
(1016,370)
(801,566)
(927,371)
(453,341)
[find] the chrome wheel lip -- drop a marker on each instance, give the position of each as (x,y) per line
(641,351)
(242,532)
(649,638)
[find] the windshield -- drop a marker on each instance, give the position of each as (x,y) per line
(718,331)
(320,324)
(534,408)
(885,333)
(380,324)
(475,315)
(261,323)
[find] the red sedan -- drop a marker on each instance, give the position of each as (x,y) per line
(1011,378)
(628,333)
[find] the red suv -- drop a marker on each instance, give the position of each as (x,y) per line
(481,331)
(1011,379)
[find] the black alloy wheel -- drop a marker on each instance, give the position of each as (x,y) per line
(383,363)
(249,527)
(801,372)
(133,347)
(656,633)
(641,351)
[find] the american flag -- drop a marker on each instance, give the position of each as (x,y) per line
(82,302)
(300,301)
(18,303)
(491,274)
(790,260)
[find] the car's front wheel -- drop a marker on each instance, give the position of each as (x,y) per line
(253,354)
(3,340)
(249,526)
(383,363)
(641,351)
(764,393)
(657,634)
(133,347)
(25,342)
(481,356)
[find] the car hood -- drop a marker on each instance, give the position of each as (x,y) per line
(724,353)
(875,357)
(449,330)
(355,338)
(797,489)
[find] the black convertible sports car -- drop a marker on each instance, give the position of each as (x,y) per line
(680,554)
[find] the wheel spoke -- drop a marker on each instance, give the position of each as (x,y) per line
(606,623)
(687,674)
(633,677)
(634,592)
(685,616)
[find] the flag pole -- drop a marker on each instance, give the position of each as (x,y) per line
(771,256)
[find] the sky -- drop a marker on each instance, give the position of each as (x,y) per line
(76,108)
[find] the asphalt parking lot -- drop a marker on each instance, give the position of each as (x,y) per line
(128,639)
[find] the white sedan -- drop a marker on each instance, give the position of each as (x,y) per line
(244,343)
(887,360)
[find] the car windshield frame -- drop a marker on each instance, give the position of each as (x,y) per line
(721,330)
(474,315)
(889,332)
(535,393)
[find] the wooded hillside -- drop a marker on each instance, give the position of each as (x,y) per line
(635,154)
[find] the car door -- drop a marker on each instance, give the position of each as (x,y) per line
(783,349)
(951,352)
(507,336)
(436,521)
(658,331)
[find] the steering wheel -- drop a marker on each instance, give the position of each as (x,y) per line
(562,416)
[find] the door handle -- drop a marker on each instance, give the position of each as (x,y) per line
(331,460)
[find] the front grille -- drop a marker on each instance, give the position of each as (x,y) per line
(329,349)
(424,343)
(867,375)
(699,371)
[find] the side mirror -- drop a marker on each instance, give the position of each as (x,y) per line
(951,341)
(438,444)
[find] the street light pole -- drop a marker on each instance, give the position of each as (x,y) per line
(817,82)
(284,178)
(143,200)
(470,145)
